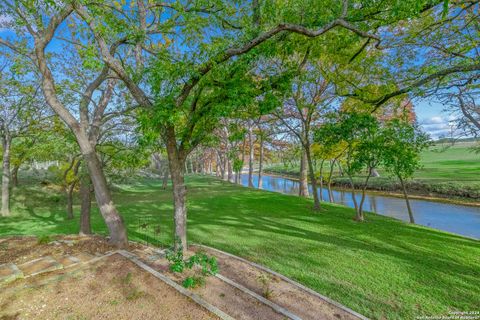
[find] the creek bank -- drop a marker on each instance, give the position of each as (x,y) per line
(451,192)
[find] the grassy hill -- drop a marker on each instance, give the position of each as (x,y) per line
(383,268)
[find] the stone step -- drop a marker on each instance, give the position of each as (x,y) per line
(40,265)
(68,261)
(84,257)
(9,272)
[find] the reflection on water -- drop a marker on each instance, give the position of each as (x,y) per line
(464,220)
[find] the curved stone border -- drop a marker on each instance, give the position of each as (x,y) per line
(133,258)
(301,286)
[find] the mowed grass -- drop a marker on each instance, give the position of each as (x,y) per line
(383,268)
(440,163)
(450,163)
(451,171)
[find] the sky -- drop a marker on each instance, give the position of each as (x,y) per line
(433,118)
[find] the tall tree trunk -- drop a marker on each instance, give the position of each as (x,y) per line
(316,200)
(85,205)
(303,188)
(165,178)
(225,168)
(69,192)
(176,164)
(410,212)
(360,216)
(374,172)
(329,184)
(321,180)
(250,157)
(354,199)
(230,171)
(70,185)
(192,170)
(237,177)
(260,165)
(14,175)
(244,153)
(6,143)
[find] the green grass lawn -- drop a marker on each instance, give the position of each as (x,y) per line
(383,268)
(446,163)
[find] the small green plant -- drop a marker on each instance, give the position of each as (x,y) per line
(193,282)
(43,239)
(265,280)
(127,279)
(114,302)
(175,257)
(200,262)
(134,294)
(208,264)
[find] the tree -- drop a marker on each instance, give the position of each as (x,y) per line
(265,131)
(368,154)
(185,99)
(33,35)
(434,52)
(333,152)
(359,133)
(403,143)
(310,100)
(21,111)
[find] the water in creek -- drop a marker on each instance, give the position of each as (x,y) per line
(460,219)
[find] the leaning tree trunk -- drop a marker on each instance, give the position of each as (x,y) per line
(6,142)
(14,175)
(115,225)
(114,222)
(260,165)
(250,158)
(85,205)
(410,213)
(303,188)
(316,200)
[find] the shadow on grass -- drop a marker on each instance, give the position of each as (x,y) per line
(383,268)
